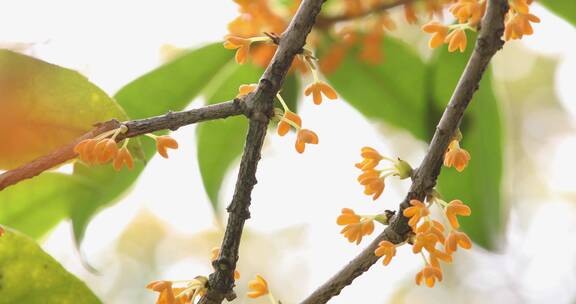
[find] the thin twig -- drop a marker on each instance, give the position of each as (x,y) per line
(172,121)
(488,43)
(324,22)
(260,108)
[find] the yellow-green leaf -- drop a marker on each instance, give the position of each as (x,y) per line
(44,106)
(29,275)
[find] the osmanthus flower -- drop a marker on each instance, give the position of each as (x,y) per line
(410,13)
(517,25)
(371,158)
(436,8)
(456,40)
(333,58)
(303,137)
(437,255)
(104,148)
(346,37)
(242,46)
(417,211)
(451,210)
(470,11)
(246,89)
(373,179)
(123,157)
(214,255)
(434,227)
(429,275)
(284,126)
(456,208)
(457,239)
(371,45)
(258,288)
(521,6)
(373,183)
(187,293)
(290,119)
(439,32)
(355,226)
(163,143)
(456,156)
(386,249)
(1,231)
(426,240)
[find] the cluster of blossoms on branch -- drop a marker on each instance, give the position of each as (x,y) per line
(468,14)
(187,291)
(360,25)
(429,237)
(287,118)
(104,149)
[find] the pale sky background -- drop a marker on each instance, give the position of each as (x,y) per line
(292,238)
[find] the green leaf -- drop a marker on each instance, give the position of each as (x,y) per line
(170,87)
(45,106)
(565,9)
(173,85)
(479,185)
(34,206)
(393,92)
(29,275)
(220,142)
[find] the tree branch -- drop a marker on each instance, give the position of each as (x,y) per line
(172,121)
(260,108)
(424,180)
(326,21)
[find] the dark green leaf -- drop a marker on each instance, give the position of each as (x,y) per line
(392,92)
(220,142)
(479,184)
(29,275)
(563,8)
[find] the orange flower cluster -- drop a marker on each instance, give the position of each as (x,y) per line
(257,17)
(429,236)
(355,226)
(468,13)
(518,20)
(187,294)
(372,179)
(190,290)
(103,149)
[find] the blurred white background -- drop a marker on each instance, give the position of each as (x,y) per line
(164,228)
